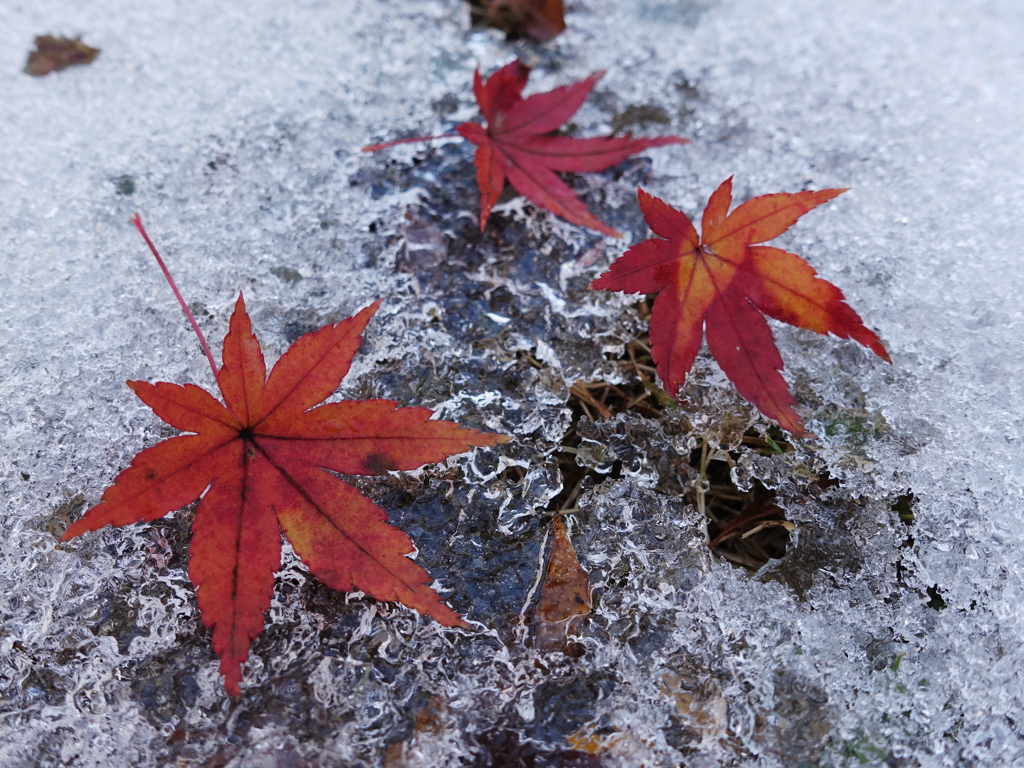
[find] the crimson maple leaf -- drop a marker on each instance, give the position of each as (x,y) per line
(721,281)
(258,460)
(518,144)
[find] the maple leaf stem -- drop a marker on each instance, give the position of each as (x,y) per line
(415,139)
(137,221)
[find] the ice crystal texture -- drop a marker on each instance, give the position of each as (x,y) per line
(235,132)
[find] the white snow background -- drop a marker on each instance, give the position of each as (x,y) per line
(239,125)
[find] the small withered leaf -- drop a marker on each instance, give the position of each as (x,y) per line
(540,20)
(564,596)
(56,53)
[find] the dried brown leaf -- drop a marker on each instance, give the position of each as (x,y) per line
(539,19)
(55,53)
(564,596)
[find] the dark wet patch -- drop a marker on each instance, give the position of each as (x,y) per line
(489,572)
(116,618)
(124,185)
(165,685)
(287,274)
(65,515)
(377,463)
(505,748)
(801,721)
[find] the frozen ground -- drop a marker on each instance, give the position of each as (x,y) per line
(234,129)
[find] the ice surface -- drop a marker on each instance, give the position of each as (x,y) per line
(234,129)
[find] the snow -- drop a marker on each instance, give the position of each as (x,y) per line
(238,127)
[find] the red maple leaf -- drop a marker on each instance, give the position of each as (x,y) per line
(518,144)
(721,281)
(259,459)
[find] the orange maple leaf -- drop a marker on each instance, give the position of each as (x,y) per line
(518,144)
(720,282)
(258,461)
